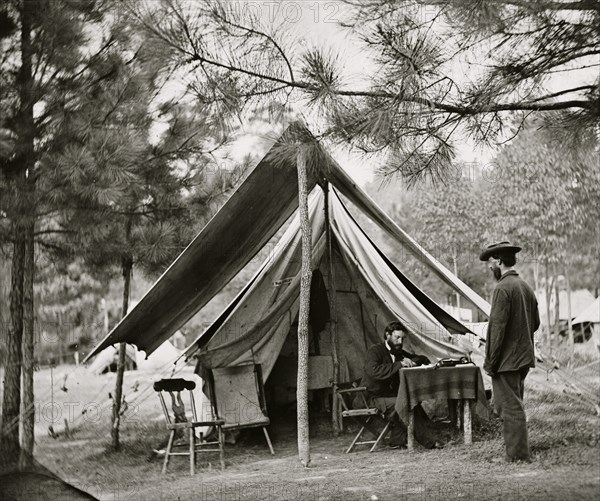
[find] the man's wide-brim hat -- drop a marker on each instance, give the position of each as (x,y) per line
(499,248)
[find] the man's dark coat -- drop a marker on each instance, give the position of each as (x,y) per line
(513,320)
(381,375)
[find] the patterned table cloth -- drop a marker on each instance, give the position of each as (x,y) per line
(426,383)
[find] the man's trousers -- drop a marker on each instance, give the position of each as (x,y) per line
(508,390)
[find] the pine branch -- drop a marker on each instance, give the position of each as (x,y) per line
(253,31)
(446,107)
(583,5)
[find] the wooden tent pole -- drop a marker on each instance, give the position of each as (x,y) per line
(335,411)
(303,314)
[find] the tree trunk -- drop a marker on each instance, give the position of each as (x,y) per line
(105,316)
(305,279)
(335,408)
(457,294)
(17,176)
(570,315)
(127,265)
(28,403)
(11,402)
(536,275)
(556,310)
(59,338)
(548,292)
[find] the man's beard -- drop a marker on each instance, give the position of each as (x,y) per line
(496,272)
(396,350)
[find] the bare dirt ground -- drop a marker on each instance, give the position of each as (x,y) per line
(564,436)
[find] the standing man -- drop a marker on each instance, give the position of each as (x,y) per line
(381,378)
(509,347)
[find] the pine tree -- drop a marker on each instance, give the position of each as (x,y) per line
(80,95)
(129,202)
(47,52)
(18,177)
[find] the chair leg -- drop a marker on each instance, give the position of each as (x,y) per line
(381,436)
(192,450)
(357,437)
(169,447)
(221,448)
(268,440)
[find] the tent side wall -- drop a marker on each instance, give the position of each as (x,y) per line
(107,359)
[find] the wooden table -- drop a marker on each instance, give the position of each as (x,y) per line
(462,384)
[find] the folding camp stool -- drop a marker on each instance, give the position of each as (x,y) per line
(180,423)
(364,416)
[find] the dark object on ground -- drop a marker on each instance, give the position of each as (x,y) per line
(35,482)
(25,486)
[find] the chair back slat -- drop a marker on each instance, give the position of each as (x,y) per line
(178,407)
(164,408)
(193,406)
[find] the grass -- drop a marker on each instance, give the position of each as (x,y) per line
(564,436)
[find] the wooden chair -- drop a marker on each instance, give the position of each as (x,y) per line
(365,416)
(238,396)
(179,423)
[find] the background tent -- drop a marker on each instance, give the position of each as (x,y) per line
(107,360)
(580,300)
(163,357)
(243,226)
(588,323)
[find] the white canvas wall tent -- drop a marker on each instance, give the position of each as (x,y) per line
(165,356)
(591,314)
(260,324)
(370,290)
(587,323)
(580,300)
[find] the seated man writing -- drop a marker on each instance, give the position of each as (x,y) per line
(381,378)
